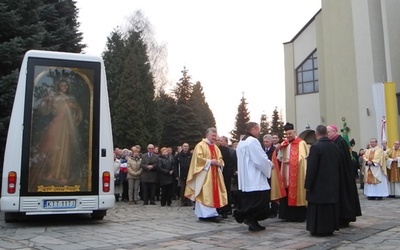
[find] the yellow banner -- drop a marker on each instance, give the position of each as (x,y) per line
(391,113)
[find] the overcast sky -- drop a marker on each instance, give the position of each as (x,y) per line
(231,46)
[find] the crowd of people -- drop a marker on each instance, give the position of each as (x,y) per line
(253,181)
(158,174)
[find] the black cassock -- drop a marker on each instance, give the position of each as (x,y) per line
(349,203)
(322,185)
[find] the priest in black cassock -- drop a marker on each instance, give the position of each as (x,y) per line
(349,203)
(322,185)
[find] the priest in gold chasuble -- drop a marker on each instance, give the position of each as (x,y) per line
(393,169)
(205,183)
(375,172)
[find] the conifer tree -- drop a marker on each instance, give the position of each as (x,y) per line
(59,19)
(200,107)
(264,127)
(169,117)
(114,61)
(188,122)
(20,31)
(135,115)
(277,124)
(242,117)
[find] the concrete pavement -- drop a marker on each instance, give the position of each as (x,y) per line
(154,227)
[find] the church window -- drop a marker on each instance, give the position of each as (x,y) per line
(307,75)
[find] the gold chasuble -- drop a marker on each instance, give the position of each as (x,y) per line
(277,186)
(393,166)
(372,173)
(297,168)
(206,187)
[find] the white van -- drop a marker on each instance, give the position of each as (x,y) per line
(59,151)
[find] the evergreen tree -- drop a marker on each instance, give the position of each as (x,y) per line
(114,61)
(242,117)
(168,111)
(135,114)
(20,31)
(59,19)
(264,127)
(188,121)
(200,107)
(277,124)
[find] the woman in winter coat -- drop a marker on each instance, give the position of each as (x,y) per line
(166,177)
(134,172)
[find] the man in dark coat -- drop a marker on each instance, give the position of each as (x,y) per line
(181,168)
(322,185)
(230,161)
(149,176)
(349,203)
(269,149)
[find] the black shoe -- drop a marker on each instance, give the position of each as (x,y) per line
(211,219)
(224,215)
(379,198)
(252,225)
(272,215)
(146,203)
(259,226)
(253,229)
(152,203)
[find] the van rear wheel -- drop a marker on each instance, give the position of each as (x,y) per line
(12,216)
(98,214)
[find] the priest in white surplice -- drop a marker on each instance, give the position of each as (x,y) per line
(254,169)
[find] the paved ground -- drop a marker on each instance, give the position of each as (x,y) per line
(154,227)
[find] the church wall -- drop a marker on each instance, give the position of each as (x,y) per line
(358,44)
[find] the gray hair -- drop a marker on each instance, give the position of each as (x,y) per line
(250,126)
(267,136)
(224,138)
(211,130)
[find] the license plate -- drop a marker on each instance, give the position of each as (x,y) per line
(57,204)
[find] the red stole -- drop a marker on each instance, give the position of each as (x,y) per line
(214,175)
(293,170)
